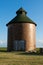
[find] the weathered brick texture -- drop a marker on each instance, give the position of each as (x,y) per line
(22,31)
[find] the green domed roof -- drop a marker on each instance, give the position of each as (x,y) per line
(21,17)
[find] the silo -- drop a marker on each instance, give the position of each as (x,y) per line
(21,33)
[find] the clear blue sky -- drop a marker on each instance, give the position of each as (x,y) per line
(8,10)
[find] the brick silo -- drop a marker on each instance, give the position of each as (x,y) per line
(21,33)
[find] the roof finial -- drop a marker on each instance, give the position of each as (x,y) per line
(21,10)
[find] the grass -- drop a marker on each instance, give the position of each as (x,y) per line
(19,58)
(3,49)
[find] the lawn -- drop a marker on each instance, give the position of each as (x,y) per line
(19,58)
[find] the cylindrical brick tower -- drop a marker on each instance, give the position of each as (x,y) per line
(21,33)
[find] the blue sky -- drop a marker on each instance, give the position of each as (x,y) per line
(8,10)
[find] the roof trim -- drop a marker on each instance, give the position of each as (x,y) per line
(21,22)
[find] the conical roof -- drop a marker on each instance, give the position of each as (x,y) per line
(21,18)
(21,10)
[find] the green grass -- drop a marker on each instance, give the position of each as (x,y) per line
(3,49)
(19,58)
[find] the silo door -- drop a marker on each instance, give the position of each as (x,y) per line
(19,45)
(15,45)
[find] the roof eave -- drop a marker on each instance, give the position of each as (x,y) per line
(21,22)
